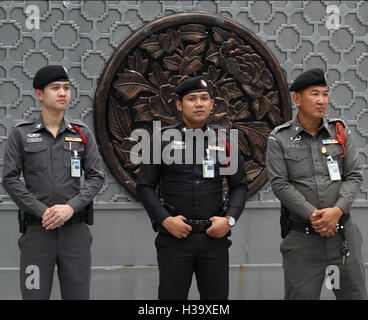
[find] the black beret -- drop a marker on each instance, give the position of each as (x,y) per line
(190,85)
(49,74)
(313,77)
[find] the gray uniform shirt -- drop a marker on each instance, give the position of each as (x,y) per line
(298,171)
(46,165)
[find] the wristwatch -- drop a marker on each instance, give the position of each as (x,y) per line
(231,221)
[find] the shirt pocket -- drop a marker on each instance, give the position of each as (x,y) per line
(69,148)
(298,163)
(333,150)
(36,157)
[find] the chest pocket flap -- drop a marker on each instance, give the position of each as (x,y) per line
(73,145)
(36,156)
(69,148)
(333,149)
(298,163)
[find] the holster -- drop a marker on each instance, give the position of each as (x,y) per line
(285,222)
(22,221)
(170,209)
(87,214)
(224,206)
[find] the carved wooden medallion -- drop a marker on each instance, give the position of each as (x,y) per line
(138,84)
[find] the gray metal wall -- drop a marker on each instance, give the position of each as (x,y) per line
(83,35)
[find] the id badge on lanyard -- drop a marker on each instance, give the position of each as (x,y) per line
(333,169)
(75,165)
(208,167)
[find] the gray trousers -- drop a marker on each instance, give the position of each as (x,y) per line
(307,257)
(67,247)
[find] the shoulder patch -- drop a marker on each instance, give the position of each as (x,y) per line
(272,138)
(25,122)
(282,126)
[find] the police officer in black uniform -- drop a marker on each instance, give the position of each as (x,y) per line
(193,233)
(53,153)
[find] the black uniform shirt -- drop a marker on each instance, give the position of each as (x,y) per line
(183,186)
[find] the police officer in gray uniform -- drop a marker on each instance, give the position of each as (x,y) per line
(313,166)
(53,152)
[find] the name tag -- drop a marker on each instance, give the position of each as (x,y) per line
(178,145)
(296,145)
(30,140)
(216,148)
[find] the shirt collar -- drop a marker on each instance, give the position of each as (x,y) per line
(39,124)
(326,125)
(182,127)
(66,124)
(296,127)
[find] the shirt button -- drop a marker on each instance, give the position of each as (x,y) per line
(197,203)
(197,181)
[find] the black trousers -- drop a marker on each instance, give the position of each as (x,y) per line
(178,259)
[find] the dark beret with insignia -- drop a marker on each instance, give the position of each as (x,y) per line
(49,74)
(196,84)
(313,77)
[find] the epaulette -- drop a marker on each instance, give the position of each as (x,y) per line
(170,127)
(78,122)
(282,126)
(215,127)
(25,122)
(338,120)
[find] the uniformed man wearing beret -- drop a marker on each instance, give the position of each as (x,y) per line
(193,233)
(313,166)
(53,153)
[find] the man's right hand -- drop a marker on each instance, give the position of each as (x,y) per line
(176,226)
(325,232)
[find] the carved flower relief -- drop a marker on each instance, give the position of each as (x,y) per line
(246,96)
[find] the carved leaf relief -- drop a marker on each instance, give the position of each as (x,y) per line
(246,91)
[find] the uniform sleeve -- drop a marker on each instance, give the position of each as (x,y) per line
(281,186)
(12,169)
(238,187)
(93,174)
(352,175)
(147,181)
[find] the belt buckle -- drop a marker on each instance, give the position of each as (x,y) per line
(195,224)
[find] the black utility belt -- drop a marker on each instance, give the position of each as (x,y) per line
(30,219)
(198,226)
(308,229)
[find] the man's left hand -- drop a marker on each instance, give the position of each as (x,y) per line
(56,216)
(220,227)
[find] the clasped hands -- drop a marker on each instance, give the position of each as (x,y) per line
(179,229)
(56,216)
(324,221)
